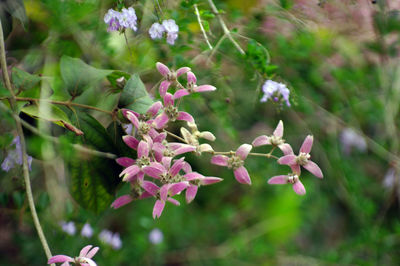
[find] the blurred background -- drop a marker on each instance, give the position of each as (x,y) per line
(340,60)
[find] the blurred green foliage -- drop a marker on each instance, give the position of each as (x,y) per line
(339,58)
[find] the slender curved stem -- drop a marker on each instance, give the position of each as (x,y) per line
(20,133)
(225,28)
(196,11)
(69,104)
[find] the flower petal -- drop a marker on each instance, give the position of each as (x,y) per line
(178,188)
(131,141)
(182,71)
(158,208)
(154,108)
(164,87)
(296,169)
(278,180)
(164,191)
(161,120)
(154,170)
(168,99)
(299,188)
(191,193)
(184,149)
(59,259)
(191,78)
(288,159)
(314,169)
(160,137)
(143,149)
(261,140)
(243,151)
(130,171)
(203,88)
(125,161)
(286,148)
(121,201)
(278,132)
(185,117)
(193,176)
(208,180)
(176,167)
(173,201)
(163,69)
(180,93)
(242,176)
(92,252)
(132,118)
(150,187)
(220,160)
(307,144)
(85,250)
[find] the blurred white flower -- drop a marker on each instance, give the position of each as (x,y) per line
(350,139)
(87,230)
(68,228)
(110,238)
(156,236)
(156,31)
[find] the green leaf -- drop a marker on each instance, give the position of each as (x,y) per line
(79,76)
(113,79)
(258,56)
(134,96)
(93,179)
(23,80)
(55,114)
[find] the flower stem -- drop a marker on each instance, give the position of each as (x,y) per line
(20,133)
(196,11)
(175,136)
(68,104)
(225,28)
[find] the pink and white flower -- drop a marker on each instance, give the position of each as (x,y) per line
(275,140)
(303,159)
(192,87)
(84,258)
(293,179)
(236,162)
(169,75)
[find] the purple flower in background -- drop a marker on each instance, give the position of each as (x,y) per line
(275,91)
(156,236)
(84,258)
(14,156)
(110,238)
(128,18)
(68,228)
(112,19)
(171,29)
(350,139)
(87,231)
(156,31)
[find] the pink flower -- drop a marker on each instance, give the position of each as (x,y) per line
(236,162)
(169,75)
(171,149)
(293,179)
(195,181)
(84,259)
(133,170)
(192,87)
(303,159)
(171,113)
(275,140)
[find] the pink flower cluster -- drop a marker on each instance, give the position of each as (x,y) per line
(159,171)
(84,258)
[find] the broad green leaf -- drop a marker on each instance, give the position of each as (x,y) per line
(55,114)
(23,80)
(134,96)
(93,179)
(78,76)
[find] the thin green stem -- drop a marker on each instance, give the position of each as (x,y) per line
(196,11)
(68,104)
(175,136)
(225,28)
(20,133)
